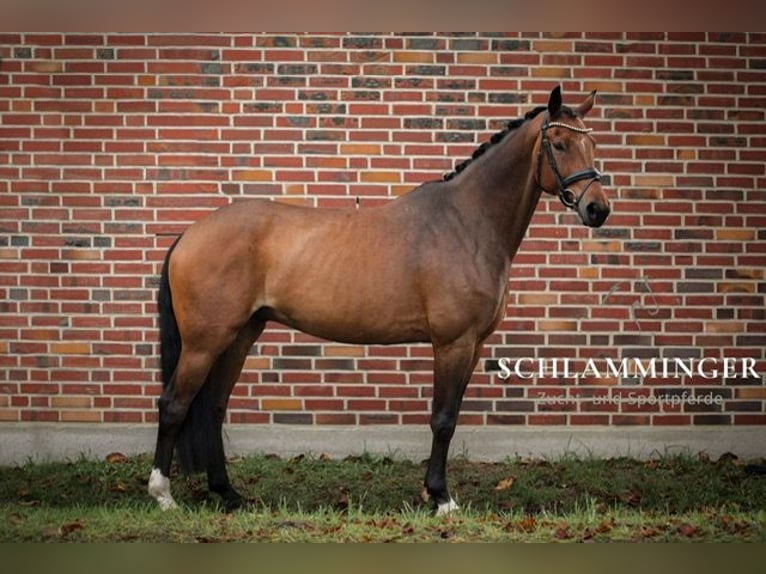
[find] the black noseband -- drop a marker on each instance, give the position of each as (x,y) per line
(566,195)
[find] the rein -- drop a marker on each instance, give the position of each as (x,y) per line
(567,196)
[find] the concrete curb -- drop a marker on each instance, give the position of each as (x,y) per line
(20,442)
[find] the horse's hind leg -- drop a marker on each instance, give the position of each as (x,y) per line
(453,365)
(224,376)
(190,375)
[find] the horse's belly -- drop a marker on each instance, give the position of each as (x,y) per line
(360,332)
(348,312)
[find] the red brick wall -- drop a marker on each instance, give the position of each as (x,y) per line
(111,144)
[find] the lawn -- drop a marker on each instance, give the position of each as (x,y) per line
(377,499)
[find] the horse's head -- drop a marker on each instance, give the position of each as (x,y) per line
(565,160)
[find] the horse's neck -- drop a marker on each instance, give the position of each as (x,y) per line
(500,189)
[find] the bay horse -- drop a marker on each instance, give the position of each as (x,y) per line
(429,267)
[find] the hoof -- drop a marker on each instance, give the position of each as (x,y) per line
(167,503)
(232,505)
(445,508)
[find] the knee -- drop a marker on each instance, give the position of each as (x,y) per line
(171,411)
(443,426)
(162,403)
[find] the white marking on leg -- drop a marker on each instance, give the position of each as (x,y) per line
(159,488)
(447,507)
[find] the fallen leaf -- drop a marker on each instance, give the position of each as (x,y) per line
(386,522)
(116,458)
(728,457)
(563,533)
(734,526)
(119,487)
(505,484)
(605,526)
(687,530)
(208,540)
(528,524)
(648,532)
(67,529)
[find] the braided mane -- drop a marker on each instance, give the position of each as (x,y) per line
(497,137)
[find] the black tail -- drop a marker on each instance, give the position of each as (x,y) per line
(196,443)
(170,338)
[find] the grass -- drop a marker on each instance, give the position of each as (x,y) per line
(370,498)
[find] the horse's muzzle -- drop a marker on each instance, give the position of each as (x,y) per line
(595,213)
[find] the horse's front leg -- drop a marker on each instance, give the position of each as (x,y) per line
(453,366)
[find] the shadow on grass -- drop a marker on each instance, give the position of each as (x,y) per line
(671,485)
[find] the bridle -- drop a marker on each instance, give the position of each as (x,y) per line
(567,196)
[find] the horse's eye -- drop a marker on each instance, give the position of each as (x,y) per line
(559,146)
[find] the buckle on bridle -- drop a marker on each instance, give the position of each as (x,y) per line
(569,198)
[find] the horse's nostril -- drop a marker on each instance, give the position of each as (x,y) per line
(596,213)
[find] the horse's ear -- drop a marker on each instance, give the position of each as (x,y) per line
(587,105)
(554,102)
